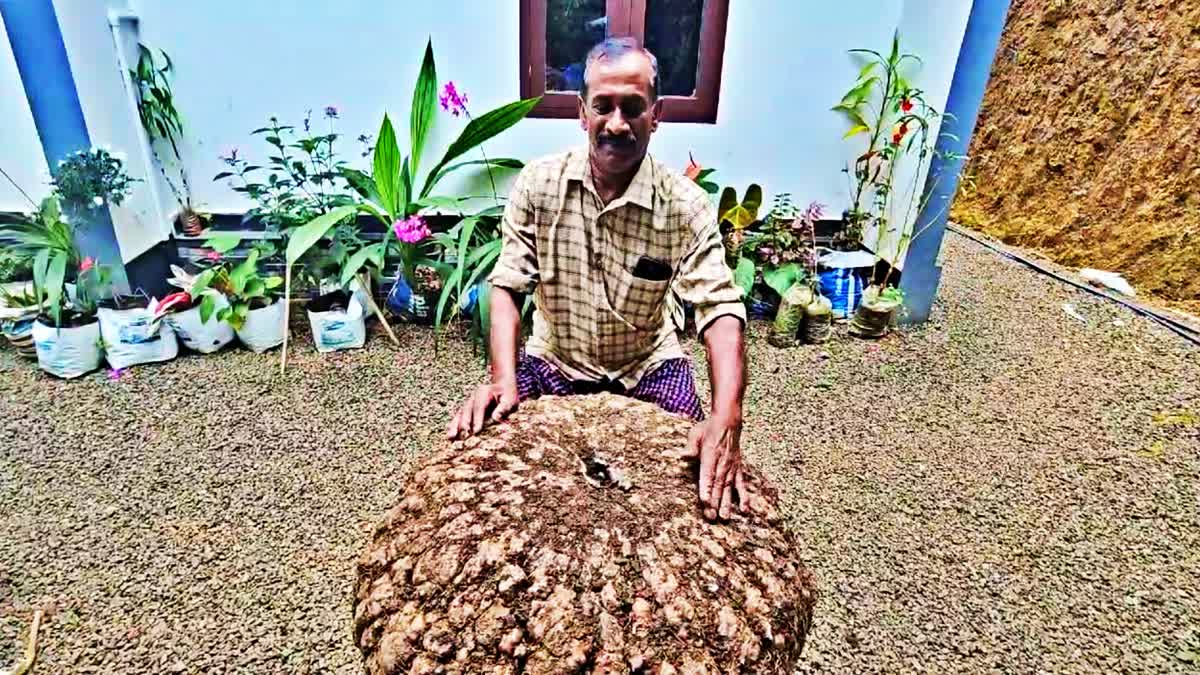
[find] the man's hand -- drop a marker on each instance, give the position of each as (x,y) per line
(498,399)
(717,443)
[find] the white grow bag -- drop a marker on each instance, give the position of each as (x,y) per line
(67,352)
(263,329)
(339,329)
(197,335)
(134,336)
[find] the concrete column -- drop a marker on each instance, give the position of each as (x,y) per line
(41,57)
(923,265)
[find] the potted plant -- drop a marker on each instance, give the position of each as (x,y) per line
(64,329)
(67,334)
(133,332)
(337,323)
(163,126)
(396,195)
(89,180)
(894,116)
(19,306)
(192,313)
(254,311)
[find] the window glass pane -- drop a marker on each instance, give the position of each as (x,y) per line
(673,35)
(572,28)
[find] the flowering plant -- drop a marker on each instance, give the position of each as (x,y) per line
(893,114)
(93,283)
(89,179)
(301,178)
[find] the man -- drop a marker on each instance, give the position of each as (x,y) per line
(605,238)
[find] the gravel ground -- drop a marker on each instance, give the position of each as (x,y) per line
(1022,493)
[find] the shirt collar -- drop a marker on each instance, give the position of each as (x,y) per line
(640,190)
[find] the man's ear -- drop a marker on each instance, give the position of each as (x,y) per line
(655,114)
(583,123)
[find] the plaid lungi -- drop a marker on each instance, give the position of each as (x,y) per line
(671,386)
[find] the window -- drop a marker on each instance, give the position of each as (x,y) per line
(687,37)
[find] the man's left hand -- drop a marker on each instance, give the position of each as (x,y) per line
(717,443)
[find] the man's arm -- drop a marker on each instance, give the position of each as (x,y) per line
(707,282)
(499,398)
(717,441)
(514,275)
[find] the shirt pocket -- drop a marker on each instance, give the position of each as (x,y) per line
(639,302)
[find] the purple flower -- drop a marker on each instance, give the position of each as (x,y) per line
(452,101)
(331,111)
(411,230)
(115,374)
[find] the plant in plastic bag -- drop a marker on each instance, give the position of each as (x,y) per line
(45,240)
(395,194)
(893,115)
(93,285)
(247,289)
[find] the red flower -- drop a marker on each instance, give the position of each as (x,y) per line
(693,169)
(904,128)
(87,264)
(896,138)
(213,256)
(906,105)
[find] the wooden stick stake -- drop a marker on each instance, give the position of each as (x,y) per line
(26,664)
(287,306)
(362,280)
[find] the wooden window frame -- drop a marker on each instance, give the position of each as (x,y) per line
(626,18)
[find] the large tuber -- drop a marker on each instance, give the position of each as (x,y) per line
(570,540)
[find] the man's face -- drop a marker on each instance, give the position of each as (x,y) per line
(618,114)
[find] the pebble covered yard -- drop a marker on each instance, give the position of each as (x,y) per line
(1006,488)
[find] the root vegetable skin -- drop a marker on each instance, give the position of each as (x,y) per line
(504,554)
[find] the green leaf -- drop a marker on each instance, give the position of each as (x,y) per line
(404,205)
(372,254)
(363,184)
(781,278)
(703,174)
(223,175)
(423,106)
(499,162)
(272,282)
(449,286)
(41,265)
(207,306)
(866,70)
(386,169)
(485,312)
(245,271)
(895,55)
(437,202)
(740,215)
(304,237)
(860,92)
(202,283)
(480,129)
(743,275)
(856,130)
(464,240)
(223,242)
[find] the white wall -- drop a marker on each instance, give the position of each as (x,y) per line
(20,150)
(239,62)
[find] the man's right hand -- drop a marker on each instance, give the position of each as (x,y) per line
(489,403)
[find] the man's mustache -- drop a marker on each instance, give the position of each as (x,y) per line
(616,141)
